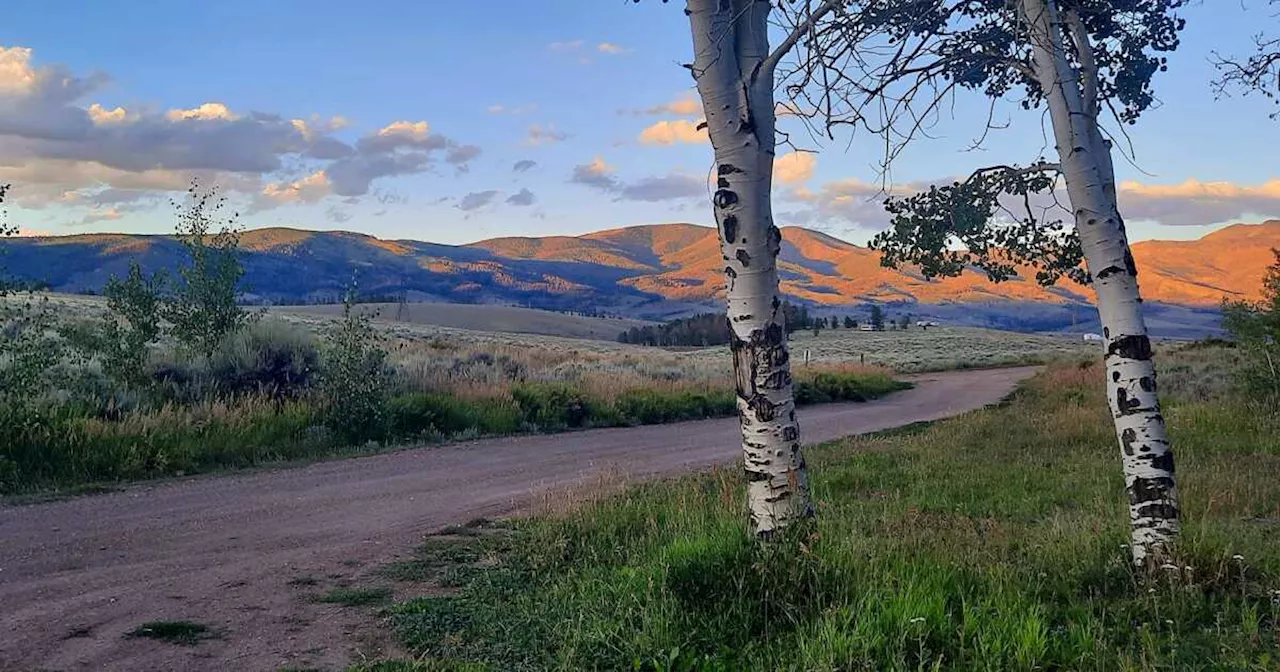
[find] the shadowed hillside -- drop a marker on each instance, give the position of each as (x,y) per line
(658,271)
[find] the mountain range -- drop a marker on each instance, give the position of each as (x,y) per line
(661,271)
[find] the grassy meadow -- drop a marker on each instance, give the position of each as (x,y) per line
(482,317)
(264,394)
(991,541)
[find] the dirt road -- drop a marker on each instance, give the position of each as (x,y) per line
(240,553)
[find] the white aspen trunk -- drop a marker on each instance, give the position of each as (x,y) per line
(730,44)
(1131,378)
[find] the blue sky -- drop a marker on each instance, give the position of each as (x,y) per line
(568,85)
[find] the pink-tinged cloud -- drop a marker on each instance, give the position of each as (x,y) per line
(794,168)
(673,131)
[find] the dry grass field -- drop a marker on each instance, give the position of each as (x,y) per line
(549,341)
(511,319)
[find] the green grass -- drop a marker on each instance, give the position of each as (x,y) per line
(66,449)
(183,633)
(356,597)
(992,541)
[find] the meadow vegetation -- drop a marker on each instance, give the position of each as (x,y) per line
(995,540)
(171,377)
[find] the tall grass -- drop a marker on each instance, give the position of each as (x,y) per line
(254,401)
(992,541)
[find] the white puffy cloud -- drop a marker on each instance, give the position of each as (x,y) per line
(611,48)
(203,112)
(794,168)
(102,116)
(673,131)
(309,189)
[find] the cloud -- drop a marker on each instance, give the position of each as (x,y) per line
(1188,203)
(611,48)
(670,132)
(848,202)
(462,154)
(596,174)
(107,215)
(665,188)
(317,126)
(16,75)
(513,111)
(523,198)
(309,189)
(569,45)
(1193,202)
(544,135)
(32,233)
(687,105)
(353,176)
(103,117)
(402,135)
(524,165)
(203,112)
(600,175)
(476,200)
(794,168)
(55,142)
(336,215)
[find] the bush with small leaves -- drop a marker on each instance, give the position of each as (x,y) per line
(202,306)
(132,326)
(355,378)
(269,357)
(1256,328)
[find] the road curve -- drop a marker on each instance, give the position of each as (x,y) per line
(77,575)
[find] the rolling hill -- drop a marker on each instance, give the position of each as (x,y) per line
(658,271)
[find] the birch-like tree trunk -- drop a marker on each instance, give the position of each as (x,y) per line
(734,75)
(1071,94)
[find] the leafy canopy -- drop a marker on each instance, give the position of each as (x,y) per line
(997,218)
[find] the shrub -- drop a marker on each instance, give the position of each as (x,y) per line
(203,306)
(554,405)
(271,357)
(136,302)
(355,377)
(647,407)
(827,387)
(1256,327)
(426,413)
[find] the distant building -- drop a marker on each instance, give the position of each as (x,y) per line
(1094,337)
(866,326)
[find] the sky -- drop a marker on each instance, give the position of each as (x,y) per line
(458,121)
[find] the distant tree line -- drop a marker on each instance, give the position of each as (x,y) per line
(713,328)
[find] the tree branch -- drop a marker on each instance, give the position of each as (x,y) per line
(768,65)
(1088,64)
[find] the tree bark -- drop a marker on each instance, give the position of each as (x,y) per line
(730,47)
(1131,378)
